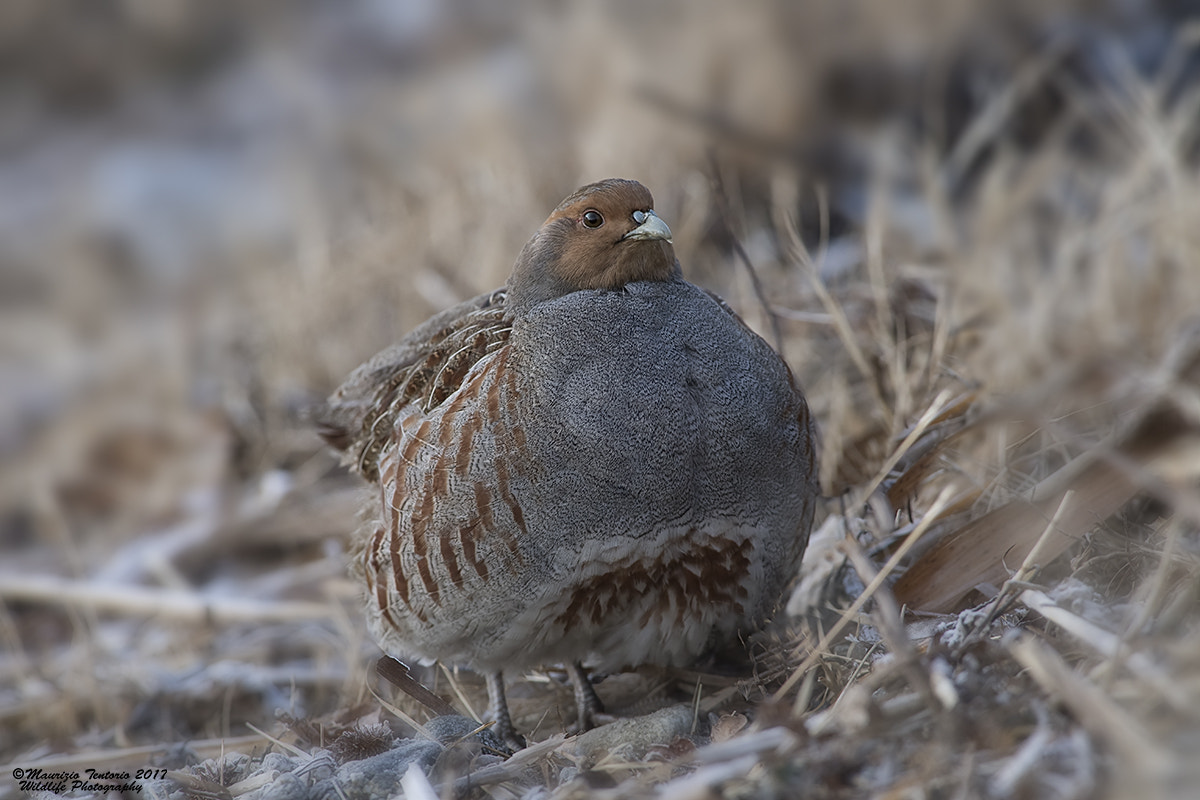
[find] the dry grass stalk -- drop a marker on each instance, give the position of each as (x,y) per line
(1109,646)
(1094,709)
(819,650)
(179,606)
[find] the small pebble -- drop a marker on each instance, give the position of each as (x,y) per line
(378,777)
(631,738)
(277,761)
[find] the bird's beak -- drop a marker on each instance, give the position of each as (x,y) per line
(652,228)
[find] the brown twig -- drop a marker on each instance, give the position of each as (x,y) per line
(396,673)
(718,186)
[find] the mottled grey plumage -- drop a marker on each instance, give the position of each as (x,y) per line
(602,464)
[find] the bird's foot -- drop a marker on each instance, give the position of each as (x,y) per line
(589,711)
(503,727)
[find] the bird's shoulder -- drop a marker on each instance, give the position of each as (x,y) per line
(423,369)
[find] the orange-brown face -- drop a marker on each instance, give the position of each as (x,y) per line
(603,236)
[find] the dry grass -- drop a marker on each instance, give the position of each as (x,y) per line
(976,230)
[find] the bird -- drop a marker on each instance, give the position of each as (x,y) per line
(598,465)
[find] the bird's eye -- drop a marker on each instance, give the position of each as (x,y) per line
(592,218)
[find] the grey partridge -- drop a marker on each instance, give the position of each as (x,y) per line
(597,464)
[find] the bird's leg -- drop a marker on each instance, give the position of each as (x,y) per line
(504,728)
(587,702)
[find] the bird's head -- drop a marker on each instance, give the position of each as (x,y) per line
(603,236)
